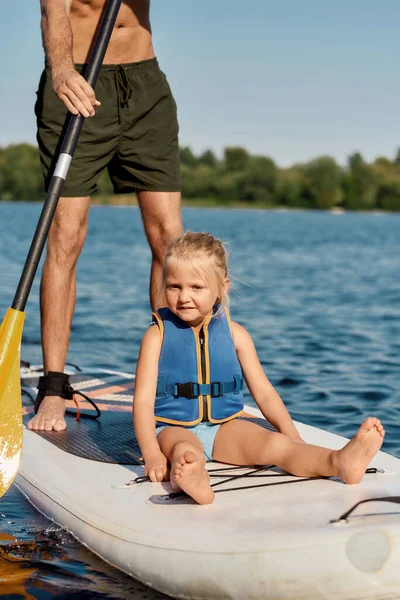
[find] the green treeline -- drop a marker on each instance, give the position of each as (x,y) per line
(241,177)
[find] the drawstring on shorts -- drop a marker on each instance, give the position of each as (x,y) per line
(123,85)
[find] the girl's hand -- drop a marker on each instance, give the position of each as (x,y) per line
(156,467)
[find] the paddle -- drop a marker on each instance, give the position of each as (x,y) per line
(12,325)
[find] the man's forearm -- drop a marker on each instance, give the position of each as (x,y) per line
(57,34)
(69,85)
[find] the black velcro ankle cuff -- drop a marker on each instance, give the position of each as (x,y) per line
(55,384)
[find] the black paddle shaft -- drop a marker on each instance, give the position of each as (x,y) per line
(64,159)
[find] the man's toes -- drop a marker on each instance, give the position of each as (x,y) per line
(59,425)
(33,423)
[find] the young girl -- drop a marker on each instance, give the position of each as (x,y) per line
(189,380)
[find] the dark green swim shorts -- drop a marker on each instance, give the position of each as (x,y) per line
(134,132)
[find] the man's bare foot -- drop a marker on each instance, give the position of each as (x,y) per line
(50,416)
(188,474)
(355,457)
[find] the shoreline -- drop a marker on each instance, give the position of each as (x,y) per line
(130,200)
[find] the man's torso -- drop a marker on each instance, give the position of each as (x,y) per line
(131,39)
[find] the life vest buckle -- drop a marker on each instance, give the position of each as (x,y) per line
(189,389)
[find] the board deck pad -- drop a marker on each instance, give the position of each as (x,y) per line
(110,438)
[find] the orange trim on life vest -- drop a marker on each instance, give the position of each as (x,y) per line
(160,325)
(182,423)
(250,416)
(238,414)
(208,368)
(199,373)
(228,317)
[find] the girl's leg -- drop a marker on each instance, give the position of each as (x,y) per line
(241,442)
(188,463)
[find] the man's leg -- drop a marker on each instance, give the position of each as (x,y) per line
(57,300)
(162,221)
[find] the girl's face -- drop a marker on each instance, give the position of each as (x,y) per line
(191,289)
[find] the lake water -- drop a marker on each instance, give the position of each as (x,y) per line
(318,292)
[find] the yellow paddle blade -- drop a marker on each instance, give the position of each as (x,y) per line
(10,397)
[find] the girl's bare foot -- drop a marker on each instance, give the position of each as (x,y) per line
(355,457)
(188,474)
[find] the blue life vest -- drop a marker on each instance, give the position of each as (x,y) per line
(199,379)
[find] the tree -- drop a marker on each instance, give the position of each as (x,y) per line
(236,158)
(208,158)
(262,171)
(324,182)
(388,194)
(104,185)
(291,187)
(199,182)
(360,184)
(20,173)
(259,181)
(387,176)
(397,158)
(187,157)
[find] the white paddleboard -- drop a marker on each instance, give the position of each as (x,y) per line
(276,537)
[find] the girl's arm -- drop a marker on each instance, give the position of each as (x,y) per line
(156,465)
(266,397)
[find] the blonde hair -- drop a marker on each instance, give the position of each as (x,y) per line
(192,244)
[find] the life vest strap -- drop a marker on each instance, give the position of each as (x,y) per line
(194,389)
